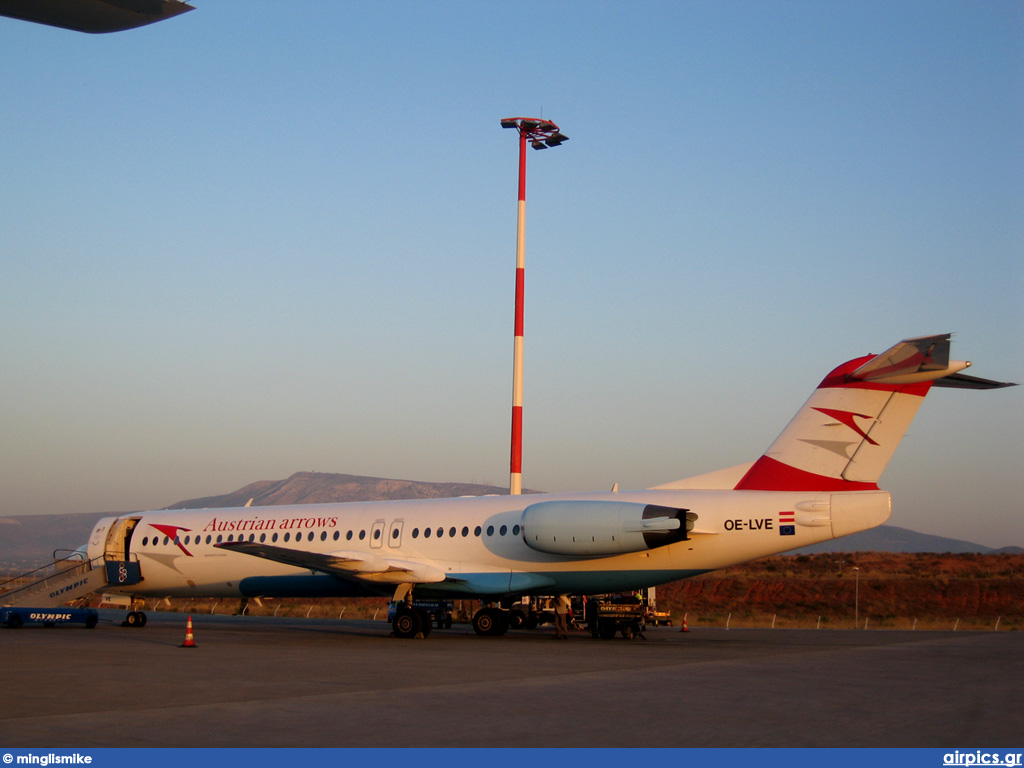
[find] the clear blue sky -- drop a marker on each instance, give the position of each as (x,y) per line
(266,237)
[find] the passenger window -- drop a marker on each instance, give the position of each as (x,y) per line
(210,538)
(362,535)
(263,537)
(337,535)
(490,530)
(376,534)
(465,531)
(287,536)
(252,537)
(394,533)
(476,531)
(348,536)
(323,536)
(503,530)
(451,532)
(440,532)
(220,538)
(274,537)
(515,530)
(145,540)
(426,533)
(415,533)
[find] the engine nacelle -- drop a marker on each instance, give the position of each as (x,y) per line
(601,528)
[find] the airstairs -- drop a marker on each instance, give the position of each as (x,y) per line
(67,579)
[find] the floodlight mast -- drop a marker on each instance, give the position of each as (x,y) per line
(541,134)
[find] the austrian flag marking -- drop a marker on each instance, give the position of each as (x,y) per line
(787,523)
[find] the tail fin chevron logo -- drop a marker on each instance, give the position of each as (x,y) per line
(847,418)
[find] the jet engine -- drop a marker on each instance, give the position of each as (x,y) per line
(601,528)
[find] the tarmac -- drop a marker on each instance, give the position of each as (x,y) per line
(263,682)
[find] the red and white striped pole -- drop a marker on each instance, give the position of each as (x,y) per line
(541,134)
(516,463)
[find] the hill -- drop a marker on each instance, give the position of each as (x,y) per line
(323,487)
(923,590)
(892,538)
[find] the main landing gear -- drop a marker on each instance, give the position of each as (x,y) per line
(491,622)
(134,619)
(409,621)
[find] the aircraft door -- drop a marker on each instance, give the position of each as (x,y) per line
(119,538)
(377,534)
(122,567)
(395,534)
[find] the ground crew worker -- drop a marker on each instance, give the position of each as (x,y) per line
(562,607)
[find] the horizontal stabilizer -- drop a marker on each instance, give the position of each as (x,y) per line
(962,381)
(915,361)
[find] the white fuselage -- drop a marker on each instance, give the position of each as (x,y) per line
(477,543)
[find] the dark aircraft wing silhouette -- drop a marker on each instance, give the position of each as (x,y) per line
(93,16)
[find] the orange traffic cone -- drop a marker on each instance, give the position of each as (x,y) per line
(189,640)
(684,628)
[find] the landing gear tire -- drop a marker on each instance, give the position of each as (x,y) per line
(606,629)
(134,619)
(483,622)
(490,622)
(407,623)
(516,620)
(14,621)
(628,632)
(90,623)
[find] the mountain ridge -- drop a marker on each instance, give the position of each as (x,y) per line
(327,487)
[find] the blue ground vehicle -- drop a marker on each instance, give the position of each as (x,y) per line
(12,618)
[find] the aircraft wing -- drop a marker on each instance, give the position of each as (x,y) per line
(359,566)
(93,16)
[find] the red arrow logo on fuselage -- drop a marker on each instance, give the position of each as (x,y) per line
(171,532)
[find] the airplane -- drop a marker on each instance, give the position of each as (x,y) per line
(817,481)
(93,16)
